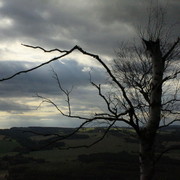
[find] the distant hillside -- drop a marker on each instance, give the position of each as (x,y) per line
(44,136)
(28,153)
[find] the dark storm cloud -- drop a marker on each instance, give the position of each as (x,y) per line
(96,25)
(136,12)
(69,72)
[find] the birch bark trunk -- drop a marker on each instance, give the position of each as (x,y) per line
(146,159)
(148,133)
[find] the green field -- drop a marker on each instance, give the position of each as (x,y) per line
(115,156)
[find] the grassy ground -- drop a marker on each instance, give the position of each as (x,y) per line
(110,144)
(116,157)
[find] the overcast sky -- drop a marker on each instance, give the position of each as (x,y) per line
(96,25)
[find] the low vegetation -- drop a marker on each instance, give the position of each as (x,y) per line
(26,155)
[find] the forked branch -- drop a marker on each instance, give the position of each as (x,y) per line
(66,53)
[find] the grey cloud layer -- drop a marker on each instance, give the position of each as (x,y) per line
(41,81)
(98,25)
(13,107)
(15,93)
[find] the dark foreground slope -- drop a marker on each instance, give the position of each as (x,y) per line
(25,155)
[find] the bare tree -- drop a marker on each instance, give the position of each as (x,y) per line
(141,97)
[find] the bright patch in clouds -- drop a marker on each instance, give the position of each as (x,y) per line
(6,23)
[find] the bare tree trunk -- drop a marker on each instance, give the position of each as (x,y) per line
(146,159)
(148,133)
(156,87)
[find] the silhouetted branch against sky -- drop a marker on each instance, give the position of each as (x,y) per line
(122,68)
(96,26)
(114,115)
(66,53)
(45,63)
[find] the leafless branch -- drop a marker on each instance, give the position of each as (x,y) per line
(46,51)
(171,49)
(174,147)
(60,137)
(93,143)
(168,124)
(172,76)
(67,52)
(63,137)
(66,92)
(90,119)
(37,67)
